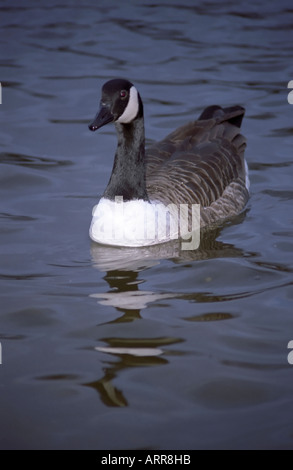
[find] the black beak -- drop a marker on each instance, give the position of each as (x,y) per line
(103,117)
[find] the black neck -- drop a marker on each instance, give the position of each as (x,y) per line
(128,173)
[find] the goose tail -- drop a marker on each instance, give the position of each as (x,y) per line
(231,119)
(232,114)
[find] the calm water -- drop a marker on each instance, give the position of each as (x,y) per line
(156,349)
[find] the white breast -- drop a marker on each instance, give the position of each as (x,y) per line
(132,223)
(141,223)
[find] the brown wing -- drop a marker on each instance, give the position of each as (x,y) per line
(201,163)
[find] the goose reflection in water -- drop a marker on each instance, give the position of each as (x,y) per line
(123,267)
(111,258)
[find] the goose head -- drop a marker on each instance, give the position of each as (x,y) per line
(120,103)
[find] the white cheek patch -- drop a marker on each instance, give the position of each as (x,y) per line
(132,107)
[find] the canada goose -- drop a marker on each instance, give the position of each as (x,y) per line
(200,164)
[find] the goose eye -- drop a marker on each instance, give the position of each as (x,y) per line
(123,94)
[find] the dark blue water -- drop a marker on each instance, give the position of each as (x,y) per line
(156,349)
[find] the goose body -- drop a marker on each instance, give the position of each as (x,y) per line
(197,176)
